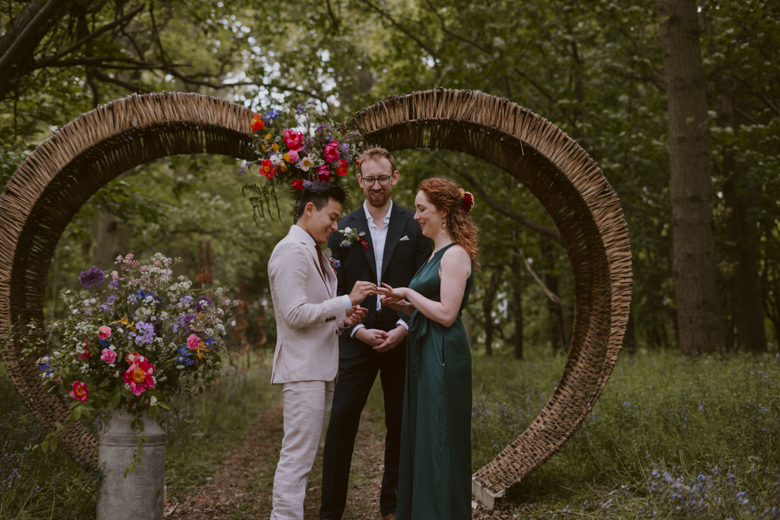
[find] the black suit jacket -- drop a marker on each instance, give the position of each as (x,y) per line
(400,262)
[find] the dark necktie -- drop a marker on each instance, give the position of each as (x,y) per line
(322,262)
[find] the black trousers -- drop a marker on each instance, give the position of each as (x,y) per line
(356,377)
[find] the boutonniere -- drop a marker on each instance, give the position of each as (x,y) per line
(351,237)
(335,264)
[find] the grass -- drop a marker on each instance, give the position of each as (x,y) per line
(36,485)
(670,437)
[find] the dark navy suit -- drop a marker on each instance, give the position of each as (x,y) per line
(406,250)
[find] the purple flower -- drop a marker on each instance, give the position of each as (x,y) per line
(203,302)
(111,298)
(114,284)
(92,277)
(186,300)
(301,109)
(335,263)
(307,183)
(144,333)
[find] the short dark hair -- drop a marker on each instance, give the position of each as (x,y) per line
(319,193)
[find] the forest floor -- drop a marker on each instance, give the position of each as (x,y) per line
(241,487)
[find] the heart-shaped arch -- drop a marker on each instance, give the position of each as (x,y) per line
(72,165)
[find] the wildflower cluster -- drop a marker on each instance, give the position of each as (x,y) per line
(136,344)
(294,147)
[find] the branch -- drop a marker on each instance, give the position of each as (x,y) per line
(43,62)
(108,79)
(400,27)
(456,36)
(551,295)
(543,230)
(24,41)
(100,62)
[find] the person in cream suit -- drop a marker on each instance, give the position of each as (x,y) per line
(309,317)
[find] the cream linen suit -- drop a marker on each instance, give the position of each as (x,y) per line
(306,360)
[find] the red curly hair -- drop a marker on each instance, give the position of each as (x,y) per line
(445,195)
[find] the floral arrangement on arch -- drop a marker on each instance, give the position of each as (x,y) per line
(293,147)
(135,344)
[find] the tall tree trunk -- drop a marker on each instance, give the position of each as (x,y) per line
(487,307)
(517,308)
(746,297)
(744,244)
(558,336)
(694,267)
(113,239)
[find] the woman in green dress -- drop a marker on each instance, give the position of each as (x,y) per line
(434,481)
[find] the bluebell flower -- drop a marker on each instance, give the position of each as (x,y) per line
(272,114)
(104,343)
(143,295)
(46,367)
(208,342)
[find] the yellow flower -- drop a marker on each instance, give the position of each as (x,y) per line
(286,157)
(275,147)
(126,323)
(283,168)
(265,148)
(268,137)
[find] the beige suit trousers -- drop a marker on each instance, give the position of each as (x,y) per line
(306,408)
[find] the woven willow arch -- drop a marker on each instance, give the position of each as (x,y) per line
(68,168)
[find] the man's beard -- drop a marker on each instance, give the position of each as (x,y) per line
(378,203)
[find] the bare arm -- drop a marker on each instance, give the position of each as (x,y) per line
(455,270)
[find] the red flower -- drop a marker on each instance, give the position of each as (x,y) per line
(267,169)
(85,355)
(257,123)
(363,241)
(468,201)
(341,169)
(324,173)
(297,184)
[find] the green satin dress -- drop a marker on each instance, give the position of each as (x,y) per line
(434,481)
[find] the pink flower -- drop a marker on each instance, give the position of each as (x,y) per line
(104,332)
(79,391)
(324,173)
(331,151)
(108,355)
(293,140)
(139,376)
(193,341)
(291,156)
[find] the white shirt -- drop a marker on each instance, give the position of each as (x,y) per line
(378,239)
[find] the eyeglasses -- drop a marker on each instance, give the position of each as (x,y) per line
(384,180)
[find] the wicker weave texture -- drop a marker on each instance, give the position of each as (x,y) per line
(58,178)
(69,167)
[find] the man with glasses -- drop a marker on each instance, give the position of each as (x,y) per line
(395,249)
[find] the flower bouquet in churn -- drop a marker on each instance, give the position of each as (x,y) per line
(293,147)
(137,343)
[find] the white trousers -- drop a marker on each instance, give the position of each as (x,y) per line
(306,408)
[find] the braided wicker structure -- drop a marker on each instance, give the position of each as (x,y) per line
(69,167)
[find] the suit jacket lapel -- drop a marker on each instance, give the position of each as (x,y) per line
(361,224)
(394,233)
(317,266)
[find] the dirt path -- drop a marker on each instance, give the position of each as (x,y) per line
(241,488)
